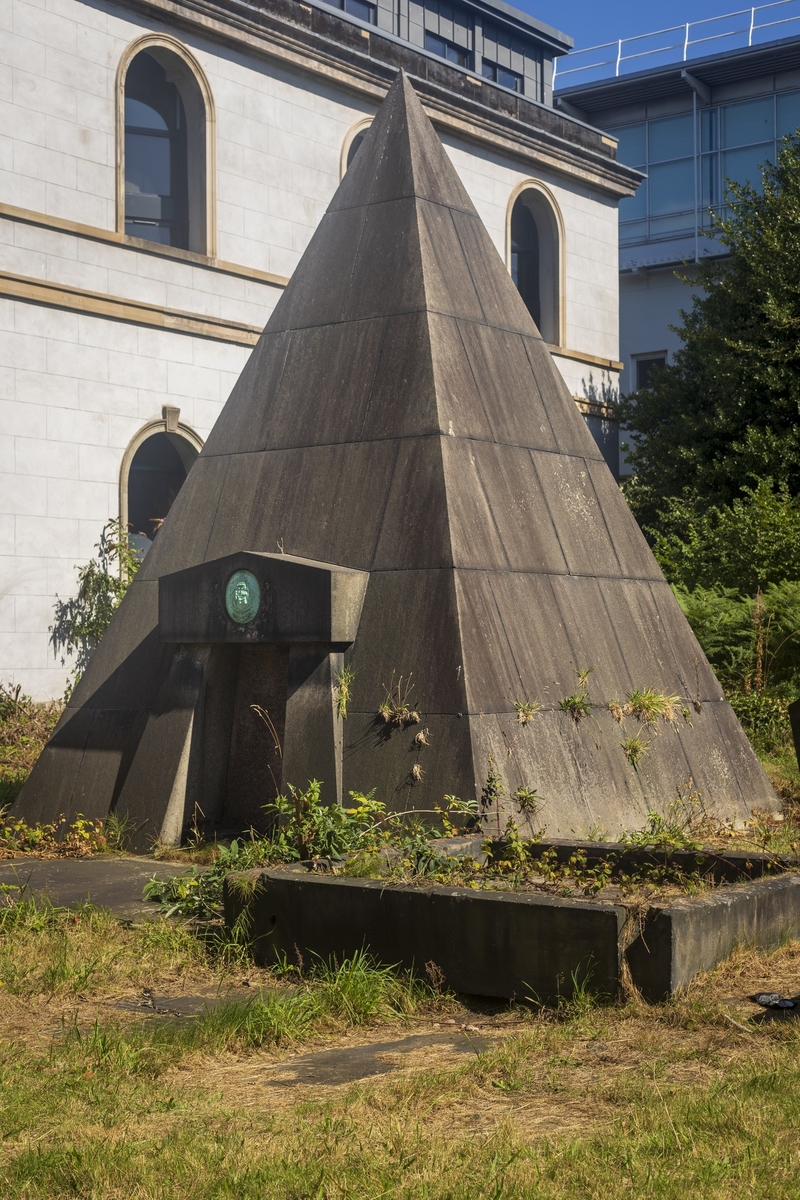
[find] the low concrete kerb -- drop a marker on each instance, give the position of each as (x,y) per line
(506,944)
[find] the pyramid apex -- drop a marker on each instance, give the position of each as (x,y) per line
(401,155)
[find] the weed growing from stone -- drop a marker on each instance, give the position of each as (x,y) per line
(647,706)
(397,709)
(526,710)
(635,748)
(343,681)
(578,705)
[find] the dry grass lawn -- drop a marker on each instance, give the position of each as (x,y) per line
(107,1092)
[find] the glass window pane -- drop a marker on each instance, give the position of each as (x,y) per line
(633,231)
(709,180)
(149,231)
(788,114)
(671,226)
(357,8)
(633,207)
(647,368)
(672,187)
(752,121)
(632,144)
(508,79)
(143,115)
(709,129)
(147,164)
(671,138)
(744,166)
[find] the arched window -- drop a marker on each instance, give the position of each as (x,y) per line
(156,475)
(166,143)
(352,143)
(353,148)
(536,260)
(153,470)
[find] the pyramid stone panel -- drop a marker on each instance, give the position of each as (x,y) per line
(243,419)
(194,511)
(579,521)
(339,371)
(422,604)
(386,277)
(292,499)
(502,372)
(414,529)
(449,288)
(500,301)
(317,292)
(524,525)
(402,400)
(461,410)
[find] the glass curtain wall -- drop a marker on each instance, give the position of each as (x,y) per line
(687,165)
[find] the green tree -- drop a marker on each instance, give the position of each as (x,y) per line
(746,545)
(726,411)
(81,621)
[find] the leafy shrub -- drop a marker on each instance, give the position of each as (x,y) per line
(80,622)
(25,726)
(752,643)
(765,718)
(746,545)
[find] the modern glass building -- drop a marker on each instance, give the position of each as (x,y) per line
(691,127)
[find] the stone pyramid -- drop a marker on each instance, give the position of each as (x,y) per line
(402,416)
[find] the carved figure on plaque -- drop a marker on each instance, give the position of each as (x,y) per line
(242,597)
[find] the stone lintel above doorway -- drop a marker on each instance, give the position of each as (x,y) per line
(255,597)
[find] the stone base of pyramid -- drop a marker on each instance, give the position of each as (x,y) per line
(507,945)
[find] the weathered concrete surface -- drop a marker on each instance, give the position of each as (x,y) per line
(402,416)
(484,943)
(507,945)
(112,883)
(693,934)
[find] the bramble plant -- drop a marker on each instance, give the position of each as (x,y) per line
(529,800)
(25,726)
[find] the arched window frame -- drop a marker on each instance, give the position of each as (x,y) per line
(550,226)
(168,424)
(201,129)
(360,127)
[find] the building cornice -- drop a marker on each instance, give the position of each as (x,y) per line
(364,61)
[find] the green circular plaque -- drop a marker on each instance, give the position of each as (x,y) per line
(242,597)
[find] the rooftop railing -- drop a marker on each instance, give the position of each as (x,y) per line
(679,43)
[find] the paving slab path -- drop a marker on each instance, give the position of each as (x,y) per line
(114,883)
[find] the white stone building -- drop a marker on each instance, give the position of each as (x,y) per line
(163,164)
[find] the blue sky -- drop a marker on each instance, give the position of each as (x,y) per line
(591,23)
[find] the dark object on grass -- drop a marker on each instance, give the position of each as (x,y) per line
(773,1000)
